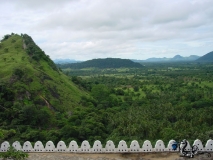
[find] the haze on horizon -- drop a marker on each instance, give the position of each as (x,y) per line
(136,29)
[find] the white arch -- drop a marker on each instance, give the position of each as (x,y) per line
(122,146)
(159,146)
(73,146)
(27,147)
(17,145)
(134,146)
(50,147)
(97,146)
(169,146)
(199,144)
(147,146)
(5,146)
(209,145)
(110,146)
(61,147)
(39,147)
(85,146)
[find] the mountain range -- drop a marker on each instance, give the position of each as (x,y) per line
(177,58)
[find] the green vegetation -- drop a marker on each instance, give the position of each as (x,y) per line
(158,101)
(12,153)
(33,92)
(103,64)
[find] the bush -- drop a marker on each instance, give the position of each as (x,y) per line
(18,72)
(6,50)
(5,37)
(12,153)
(13,41)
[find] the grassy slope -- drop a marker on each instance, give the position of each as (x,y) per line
(39,79)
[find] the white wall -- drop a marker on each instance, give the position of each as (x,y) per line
(159,146)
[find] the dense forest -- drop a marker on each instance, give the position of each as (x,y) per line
(161,101)
(158,101)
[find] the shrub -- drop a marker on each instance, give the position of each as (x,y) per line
(13,41)
(12,153)
(6,50)
(5,37)
(18,72)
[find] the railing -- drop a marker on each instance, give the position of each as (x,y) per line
(98,147)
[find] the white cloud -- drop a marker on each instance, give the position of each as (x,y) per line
(84,29)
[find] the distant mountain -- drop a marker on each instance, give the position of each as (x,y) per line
(206,58)
(176,58)
(103,63)
(63,61)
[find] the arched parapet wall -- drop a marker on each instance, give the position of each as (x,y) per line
(27,147)
(61,146)
(85,146)
(199,144)
(39,147)
(50,147)
(169,146)
(147,146)
(17,145)
(97,146)
(188,147)
(184,146)
(209,146)
(73,146)
(110,146)
(159,146)
(122,146)
(134,146)
(5,146)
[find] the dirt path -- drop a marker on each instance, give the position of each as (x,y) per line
(125,156)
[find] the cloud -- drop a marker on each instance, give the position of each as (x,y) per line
(86,29)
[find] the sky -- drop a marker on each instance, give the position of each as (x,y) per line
(128,29)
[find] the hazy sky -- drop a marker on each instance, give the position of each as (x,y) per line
(133,29)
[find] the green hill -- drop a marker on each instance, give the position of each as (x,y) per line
(33,92)
(206,58)
(32,76)
(103,63)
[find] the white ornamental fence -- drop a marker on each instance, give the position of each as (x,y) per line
(98,147)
